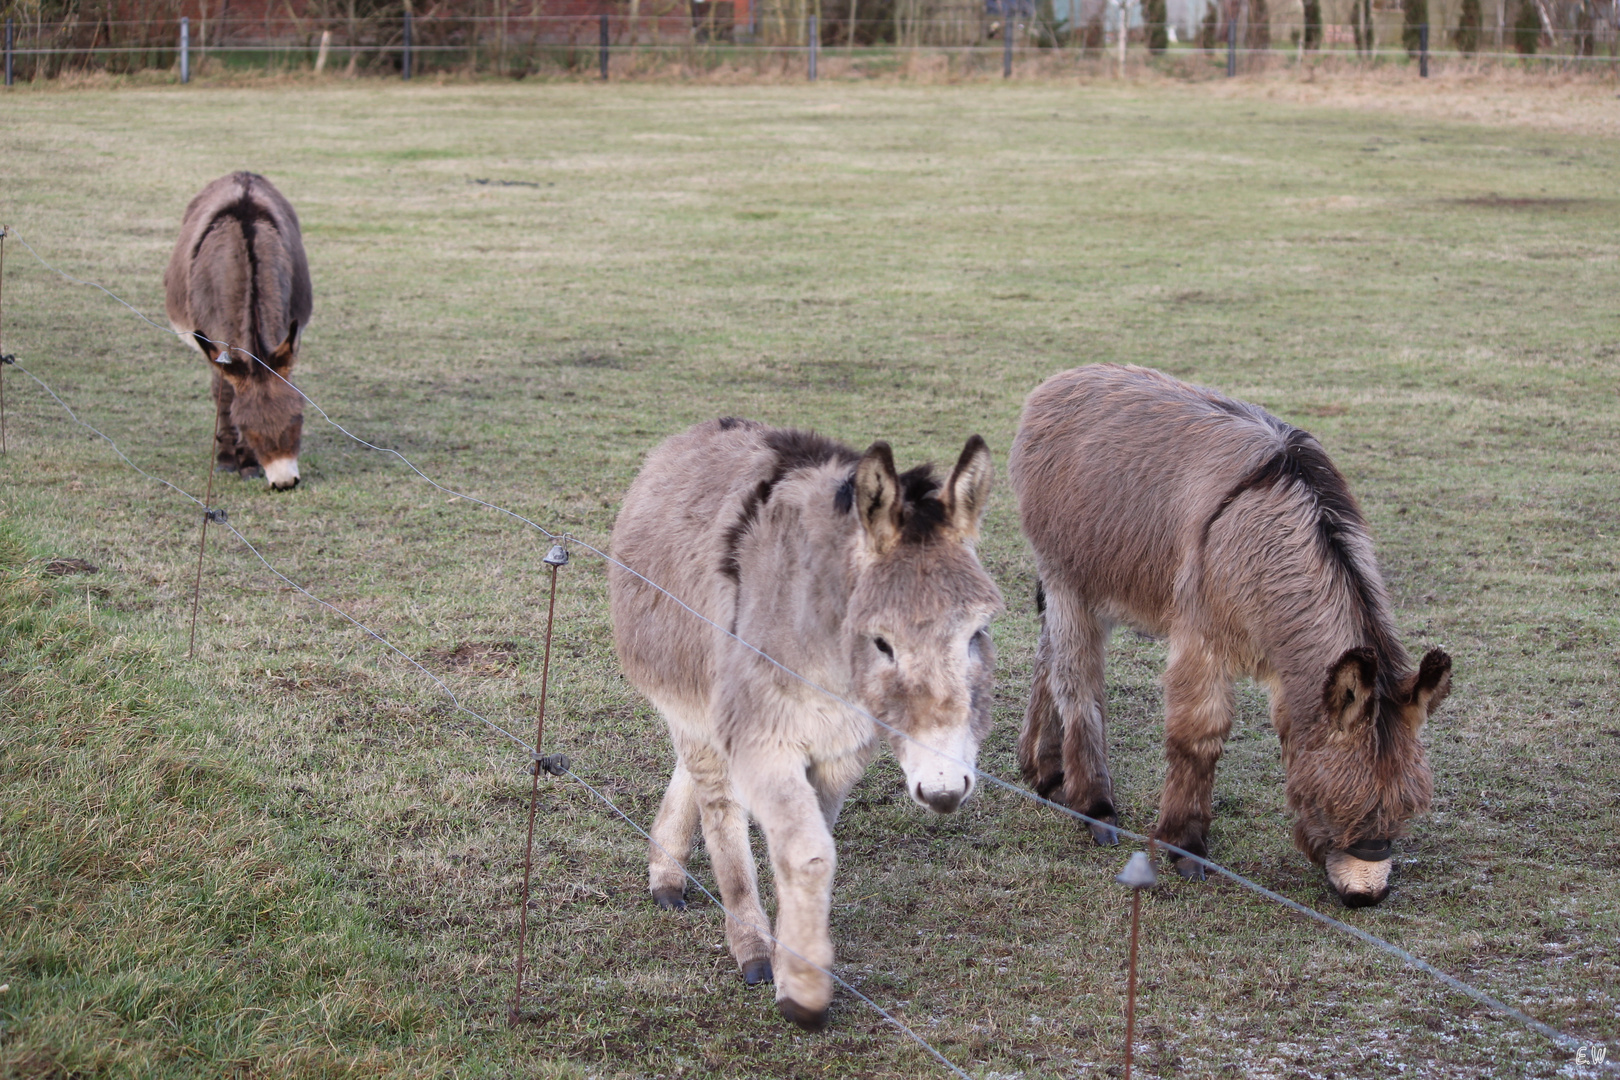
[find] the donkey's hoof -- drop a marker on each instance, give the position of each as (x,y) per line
(1105,835)
(756,972)
(1045,787)
(670,899)
(250,472)
(1190,869)
(808,1019)
(225,466)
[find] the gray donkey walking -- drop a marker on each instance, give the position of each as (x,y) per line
(861,579)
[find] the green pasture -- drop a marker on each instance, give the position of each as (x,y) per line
(291,857)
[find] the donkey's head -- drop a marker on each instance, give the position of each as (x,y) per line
(1358,774)
(918,623)
(266,411)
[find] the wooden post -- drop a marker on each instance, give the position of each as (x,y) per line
(185,49)
(405,55)
(815,44)
(1006,38)
(4,359)
(602,27)
(1124,32)
(1423,51)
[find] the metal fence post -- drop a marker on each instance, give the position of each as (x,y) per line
(405,56)
(815,45)
(1423,51)
(602,27)
(1006,39)
(1231,48)
(10,41)
(1139,875)
(185,49)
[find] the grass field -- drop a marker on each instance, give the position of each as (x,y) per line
(290,857)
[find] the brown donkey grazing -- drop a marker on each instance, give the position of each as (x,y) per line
(862,580)
(1192,516)
(237,289)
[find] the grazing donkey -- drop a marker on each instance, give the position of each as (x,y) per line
(862,580)
(1189,515)
(238,292)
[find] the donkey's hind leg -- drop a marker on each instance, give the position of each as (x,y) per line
(672,834)
(1040,743)
(1199,703)
(1077,640)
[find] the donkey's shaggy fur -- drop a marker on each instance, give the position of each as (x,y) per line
(238,289)
(860,579)
(1190,515)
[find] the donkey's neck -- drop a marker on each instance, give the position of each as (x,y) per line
(1311,635)
(795,576)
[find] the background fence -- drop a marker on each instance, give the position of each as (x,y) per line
(535,38)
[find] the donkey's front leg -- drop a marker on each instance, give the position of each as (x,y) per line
(1199,703)
(224,430)
(725,832)
(803,859)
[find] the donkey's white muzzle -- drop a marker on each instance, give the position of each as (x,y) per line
(1358,882)
(282,473)
(939,768)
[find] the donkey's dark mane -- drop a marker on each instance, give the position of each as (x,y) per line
(794,450)
(922,514)
(1301,462)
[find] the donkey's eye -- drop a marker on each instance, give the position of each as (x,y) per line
(884,647)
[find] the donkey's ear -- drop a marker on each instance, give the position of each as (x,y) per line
(967,492)
(282,354)
(209,349)
(877,497)
(1349,688)
(1433,682)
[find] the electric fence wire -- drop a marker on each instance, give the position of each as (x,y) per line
(533,752)
(1559,1038)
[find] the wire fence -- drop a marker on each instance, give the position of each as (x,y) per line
(564,768)
(1585,37)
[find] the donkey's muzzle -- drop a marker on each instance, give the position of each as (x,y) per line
(943,802)
(282,473)
(1360,882)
